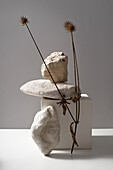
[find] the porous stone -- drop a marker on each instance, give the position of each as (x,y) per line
(44,88)
(46,130)
(57,65)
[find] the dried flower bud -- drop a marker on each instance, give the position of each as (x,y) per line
(24,20)
(69,26)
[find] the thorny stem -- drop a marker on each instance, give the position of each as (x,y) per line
(49,72)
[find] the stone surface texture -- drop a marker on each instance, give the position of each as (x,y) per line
(44,88)
(46,130)
(57,65)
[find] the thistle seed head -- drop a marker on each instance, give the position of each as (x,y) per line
(69,26)
(24,21)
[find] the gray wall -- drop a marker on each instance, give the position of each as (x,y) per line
(20,63)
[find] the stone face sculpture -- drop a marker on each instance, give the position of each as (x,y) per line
(44,88)
(46,130)
(57,65)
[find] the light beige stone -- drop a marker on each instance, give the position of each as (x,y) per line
(57,65)
(44,88)
(46,129)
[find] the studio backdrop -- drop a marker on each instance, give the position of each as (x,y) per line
(20,62)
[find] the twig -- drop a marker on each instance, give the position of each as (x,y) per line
(24,21)
(71,28)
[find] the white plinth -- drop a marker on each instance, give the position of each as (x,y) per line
(84,129)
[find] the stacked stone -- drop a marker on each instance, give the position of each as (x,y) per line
(57,65)
(46,128)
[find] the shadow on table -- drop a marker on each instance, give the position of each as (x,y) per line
(102,147)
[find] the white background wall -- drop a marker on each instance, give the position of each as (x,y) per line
(19,61)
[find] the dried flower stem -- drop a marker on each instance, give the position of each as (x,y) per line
(77,90)
(74,59)
(76,87)
(75,64)
(71,28)
(77,119)
(49,72)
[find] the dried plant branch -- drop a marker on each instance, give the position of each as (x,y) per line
(73,134)
(71,28)
(75,62)
(76,98)
(63,102)
(77,118)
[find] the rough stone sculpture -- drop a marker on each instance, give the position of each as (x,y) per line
(46,130)
(57,65)
(45,88)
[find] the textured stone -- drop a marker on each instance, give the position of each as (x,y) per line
(45,88)
(46,130)
(57,64)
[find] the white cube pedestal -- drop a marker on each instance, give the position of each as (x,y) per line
(84,128)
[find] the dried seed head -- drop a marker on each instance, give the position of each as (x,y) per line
(76,97)
(24,20)
(69,26)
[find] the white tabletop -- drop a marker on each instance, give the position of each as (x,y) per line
(19,152)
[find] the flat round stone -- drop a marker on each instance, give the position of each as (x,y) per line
(44,88)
